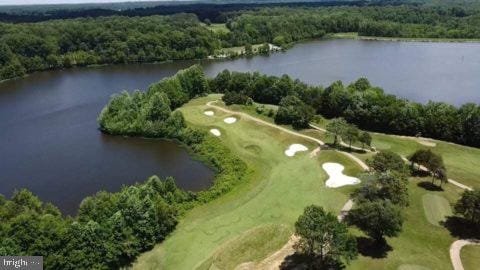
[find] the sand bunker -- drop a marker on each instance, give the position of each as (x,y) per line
(426,142)
(215,132)
(209,113)
(336,176)
(292,149)
(230,120)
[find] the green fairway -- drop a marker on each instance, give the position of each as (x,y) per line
(436,208)
(470,255)
(279,189)
(257,217)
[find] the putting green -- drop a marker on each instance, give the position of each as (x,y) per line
(436,208)
(470,255)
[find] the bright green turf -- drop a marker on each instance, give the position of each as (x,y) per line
(436,208)
(277,192)
(470,257)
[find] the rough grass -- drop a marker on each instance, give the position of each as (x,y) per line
(436,208)
(278,190)
(470,257)
(252,246)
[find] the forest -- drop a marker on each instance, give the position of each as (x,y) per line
(29,47)
(360,103)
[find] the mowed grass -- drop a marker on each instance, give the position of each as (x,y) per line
(254,244)
(421,245)
(275,194)
(470,257)
(436,208)
(462,162)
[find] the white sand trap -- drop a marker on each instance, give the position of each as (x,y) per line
(427,143)
(336,176)
(292,149)
(230,120)
(215,132)
(209,113)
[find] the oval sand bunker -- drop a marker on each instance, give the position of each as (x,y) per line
(209,113)
(336,176)
(292,149)
(215,132)
(230,120)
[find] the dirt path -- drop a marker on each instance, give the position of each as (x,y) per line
(455,249)
(274,261)
(451,181)
(342,143)
(247,116)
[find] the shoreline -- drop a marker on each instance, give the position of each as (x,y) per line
(355,36)
(273,49)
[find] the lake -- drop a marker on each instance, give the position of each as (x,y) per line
(50,142)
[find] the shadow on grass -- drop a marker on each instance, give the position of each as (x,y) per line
(346,148)
(299,261)
(461,228)
(370,248)
(429,186)
(419,173)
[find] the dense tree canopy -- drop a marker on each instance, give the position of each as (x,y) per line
(469,206)
(359,103)
(28,47)
(377,219)
(387,161)
(323,238)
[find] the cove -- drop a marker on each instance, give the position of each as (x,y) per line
(49,138)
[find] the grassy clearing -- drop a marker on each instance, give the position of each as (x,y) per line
(436,208)
(470,257)
(218,27)
(279,189)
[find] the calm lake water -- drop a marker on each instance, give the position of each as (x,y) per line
(50,144)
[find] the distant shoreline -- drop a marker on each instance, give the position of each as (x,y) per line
(404,39)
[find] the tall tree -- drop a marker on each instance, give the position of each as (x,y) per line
(469,206)
(323,237)
(377,219)
(336,127)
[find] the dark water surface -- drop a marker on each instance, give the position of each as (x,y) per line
(50,144)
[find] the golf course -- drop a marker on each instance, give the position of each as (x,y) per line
(254,220)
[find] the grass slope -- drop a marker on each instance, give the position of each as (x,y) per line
(279,188)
